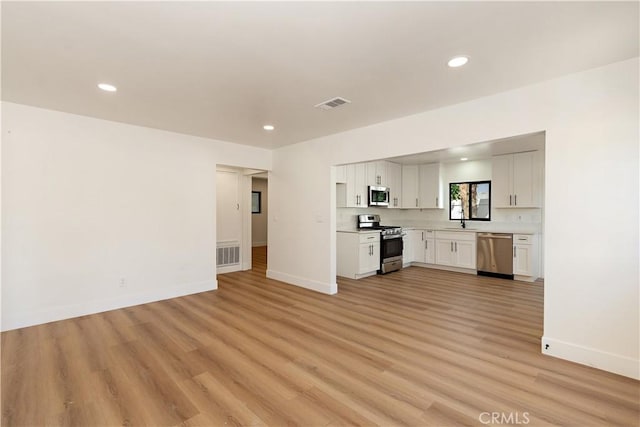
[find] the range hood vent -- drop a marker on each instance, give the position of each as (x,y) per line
(332,103)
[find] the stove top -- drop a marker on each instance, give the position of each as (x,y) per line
(372,222)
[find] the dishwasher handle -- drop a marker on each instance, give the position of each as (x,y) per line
(495,236)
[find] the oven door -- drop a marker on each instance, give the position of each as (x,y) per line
(378,196)
(391,248)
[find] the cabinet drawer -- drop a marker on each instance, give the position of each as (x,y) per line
(522,239)
(369,237)
(456,235)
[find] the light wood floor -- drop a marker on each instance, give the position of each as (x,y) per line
(417,347)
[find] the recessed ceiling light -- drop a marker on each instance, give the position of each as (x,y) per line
(457,61)
(464,159)
(107,87)
(268,127)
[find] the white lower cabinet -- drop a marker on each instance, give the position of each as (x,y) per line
(525,257)
(407,247)
(419,247)
(358,254)
(455,249)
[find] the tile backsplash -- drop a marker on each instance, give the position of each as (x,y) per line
(523,220)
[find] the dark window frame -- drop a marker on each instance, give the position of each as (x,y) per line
(253,211)
(469,201)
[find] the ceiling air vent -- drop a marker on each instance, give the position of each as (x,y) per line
(332,103)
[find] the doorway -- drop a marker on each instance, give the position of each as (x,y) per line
(259,223)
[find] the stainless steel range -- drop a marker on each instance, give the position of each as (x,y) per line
(390,242)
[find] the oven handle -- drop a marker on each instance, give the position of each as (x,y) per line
(393,236)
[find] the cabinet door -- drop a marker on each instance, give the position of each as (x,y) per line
(376,173)
(365,256)
(418,246)
(394,182)
(524,180)
(407,247)
(374,261)
(430,251)
(430,186)
(360,185)
(522,261)
(382,173)
(370,173)
(501,181)
(444,252)
(410,186)
(465,253)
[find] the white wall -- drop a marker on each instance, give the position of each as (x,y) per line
(259,220)
(88,202)
(591,258)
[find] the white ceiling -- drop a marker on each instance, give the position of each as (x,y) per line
(224,69)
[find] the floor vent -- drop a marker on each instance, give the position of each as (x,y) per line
(332,103)
(229,254)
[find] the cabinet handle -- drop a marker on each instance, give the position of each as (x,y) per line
(509,199)
(456,243)
(515,198)
(416,202)
(426,244)
(436,202)
(423,235)
(514,251)
(451,246)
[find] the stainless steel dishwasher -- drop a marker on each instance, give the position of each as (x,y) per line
(495,254)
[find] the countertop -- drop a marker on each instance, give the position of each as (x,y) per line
(498,229)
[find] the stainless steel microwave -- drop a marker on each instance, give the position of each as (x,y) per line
(378,196)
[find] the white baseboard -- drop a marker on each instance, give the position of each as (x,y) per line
(325,288)
(610,362)
(22,320)
(229,269)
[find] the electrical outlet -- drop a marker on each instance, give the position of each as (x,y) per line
(122,282)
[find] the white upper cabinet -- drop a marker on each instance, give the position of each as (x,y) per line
(394,182)
(377,173)
(410,186)
(354,193)
(516,180)
(422,186)
(430,187)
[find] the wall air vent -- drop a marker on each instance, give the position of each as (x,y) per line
(228,253)
(332,103)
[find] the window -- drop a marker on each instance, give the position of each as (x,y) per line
(256,202)
(476,195)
